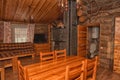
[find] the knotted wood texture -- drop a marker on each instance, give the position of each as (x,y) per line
(117,46)
(38,11)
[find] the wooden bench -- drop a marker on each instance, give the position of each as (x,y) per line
(10,50)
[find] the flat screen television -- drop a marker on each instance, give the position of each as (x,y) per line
(40,38)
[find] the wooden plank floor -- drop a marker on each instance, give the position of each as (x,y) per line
(105,74)
(102,74)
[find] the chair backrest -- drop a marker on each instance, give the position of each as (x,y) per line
(91,68)
(46,56)
(60,53)
(21,71)
(75,71)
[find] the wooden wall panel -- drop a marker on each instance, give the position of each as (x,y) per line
(81,40)
(117,46)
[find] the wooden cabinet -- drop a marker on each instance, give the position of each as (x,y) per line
(42,48)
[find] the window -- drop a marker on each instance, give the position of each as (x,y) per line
(19,33)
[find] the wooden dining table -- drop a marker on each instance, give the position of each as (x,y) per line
(51,70)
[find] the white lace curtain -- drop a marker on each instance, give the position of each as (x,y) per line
(7,32)
(30,32)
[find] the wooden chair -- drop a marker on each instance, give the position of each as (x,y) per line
(47,56)
(75,71)
(60,53)
(91,68)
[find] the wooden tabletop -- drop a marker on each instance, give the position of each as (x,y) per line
(51,70)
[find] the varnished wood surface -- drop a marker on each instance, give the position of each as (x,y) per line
(60,54)
(55,68)
(45,70)
(39,11)
(42,48)
(117,45)
(46,56)
(75,72)
(82,40)
(102,74)
(91,68)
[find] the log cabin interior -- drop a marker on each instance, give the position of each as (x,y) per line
(59,39)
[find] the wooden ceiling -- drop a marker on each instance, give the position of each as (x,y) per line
(44,11)
(38,11)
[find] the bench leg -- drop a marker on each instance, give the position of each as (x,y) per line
(15,67)
(2,74)
(33,56)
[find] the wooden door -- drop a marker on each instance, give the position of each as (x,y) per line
(81,40)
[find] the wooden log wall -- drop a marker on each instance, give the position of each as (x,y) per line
(102,12)
(106,43)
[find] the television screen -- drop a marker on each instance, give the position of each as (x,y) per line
(40,38)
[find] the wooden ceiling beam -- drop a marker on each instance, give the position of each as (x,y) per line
(33,7)
(21,10)
(18,13)
(55,17)
(48,9)
(2,5)
(18,10)
(26,9)
(7,11)
(10,9)
(38,9)
(41,11)
(14,9)
(58,13)
(50,14)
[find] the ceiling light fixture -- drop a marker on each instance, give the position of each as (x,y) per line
(63,4)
